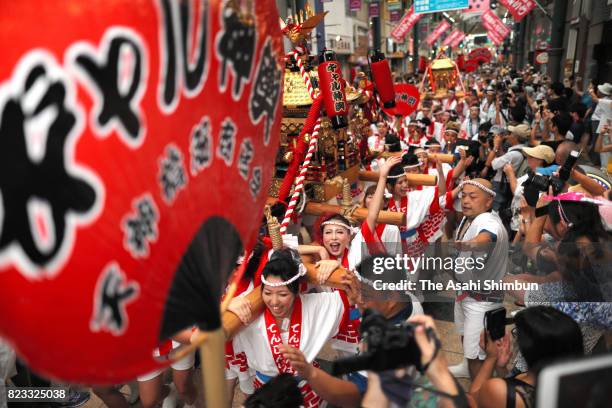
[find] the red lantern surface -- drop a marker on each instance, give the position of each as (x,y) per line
(407,99)
(481,55)
(130,147)
(331,85)
(381,75)
(470,65)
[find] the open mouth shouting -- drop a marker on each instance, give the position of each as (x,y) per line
(335,248)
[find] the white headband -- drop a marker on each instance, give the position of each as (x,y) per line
(301,272)
(337,223)
(363,279)
(480,186)
(409,166)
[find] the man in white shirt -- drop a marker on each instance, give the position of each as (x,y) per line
(440,118)
(450,103)
(469,127)
(603,114)
(376,142)
(480,235)
(488,110)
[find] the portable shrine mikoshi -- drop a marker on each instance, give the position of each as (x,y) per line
(443,75)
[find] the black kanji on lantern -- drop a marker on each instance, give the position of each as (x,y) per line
(114,103)
(227,141)
(172,173)
(337,95)
(141,227)
(245,157)
(236,48)
(200,146)
(177,66)
(111,297)
(266,91)
(39,166)
(255,182)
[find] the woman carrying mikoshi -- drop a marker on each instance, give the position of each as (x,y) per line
(291,319)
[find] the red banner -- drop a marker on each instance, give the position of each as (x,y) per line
(407,22)
(133,135)
(495,38)
(374,9)
(518,8)
(497,30)
(454,38)
(395,15)
(458,39)
(437,32)
(355,5)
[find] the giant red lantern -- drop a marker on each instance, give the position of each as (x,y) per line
(407,99)
(470,65)
(481,55)
(331,85)
(381,76)
(132,136)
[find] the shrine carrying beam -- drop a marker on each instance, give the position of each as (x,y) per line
(413,179)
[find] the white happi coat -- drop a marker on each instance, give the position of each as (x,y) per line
(322,314)
(419,204)
(390,238)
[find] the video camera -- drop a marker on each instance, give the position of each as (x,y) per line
(536,183)
(487,139)
(388,346)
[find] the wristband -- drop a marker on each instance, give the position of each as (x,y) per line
(438,345)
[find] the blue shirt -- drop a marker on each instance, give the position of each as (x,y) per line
(547,171)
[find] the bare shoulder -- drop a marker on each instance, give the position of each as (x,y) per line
(492,393)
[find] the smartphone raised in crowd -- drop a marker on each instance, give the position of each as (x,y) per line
(495,323)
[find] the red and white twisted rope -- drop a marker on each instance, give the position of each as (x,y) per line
(304,74)
(299,181)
